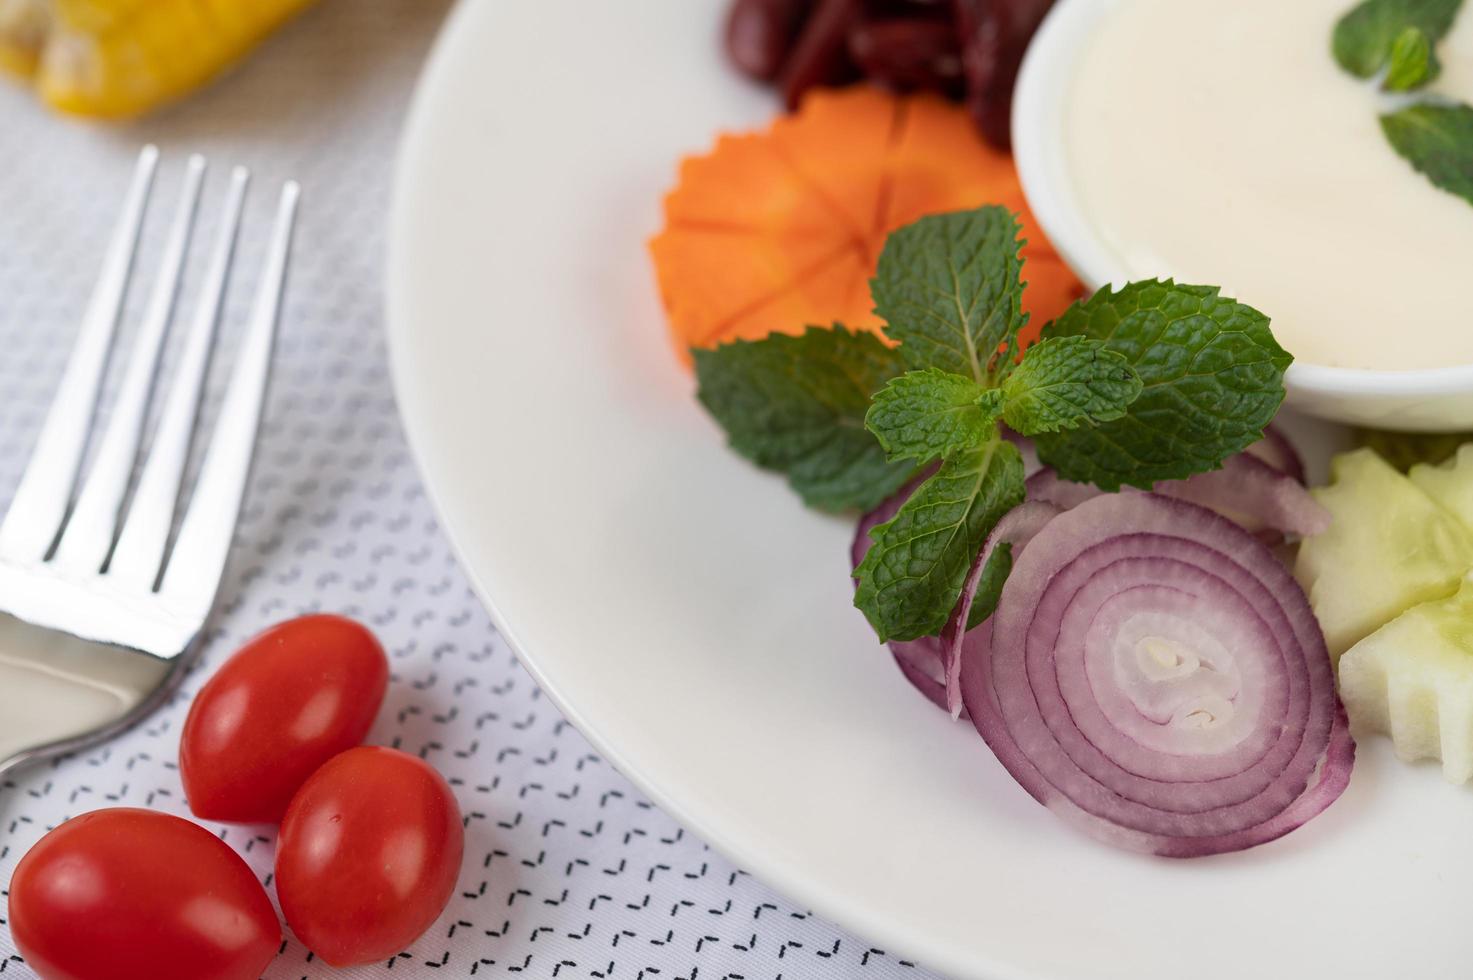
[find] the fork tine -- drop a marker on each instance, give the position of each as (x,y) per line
(140,548)
(40,503)
(89,531)
(193,573)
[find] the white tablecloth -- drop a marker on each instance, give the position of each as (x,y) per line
(568,871)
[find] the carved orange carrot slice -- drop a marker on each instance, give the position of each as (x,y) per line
(780,229)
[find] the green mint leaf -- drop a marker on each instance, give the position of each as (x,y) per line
(1438,141)
(949,289)
(1364,37)
(1212,376)
(989,590)
(991,402)
(912,577)
(1066,381)
(796,404)
(1412,62)
(926,415)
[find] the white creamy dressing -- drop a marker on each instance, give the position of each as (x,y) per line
(1218,141)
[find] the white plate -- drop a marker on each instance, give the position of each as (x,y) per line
(694,621)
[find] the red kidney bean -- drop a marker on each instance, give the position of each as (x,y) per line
(821,54)
(994,34)
(760,34)
(885,9)
(908,53)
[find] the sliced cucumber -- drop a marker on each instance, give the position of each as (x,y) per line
(1391,546)
(1449,483)
(1413,680)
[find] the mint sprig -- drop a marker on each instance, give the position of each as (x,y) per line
(796,404)
(994,576)
(1155,381)
(1211,376)
(1435,136)
(1365,37)
(912,575)
(1411,63)
(1065,382)
(930,414)
(1437,140)
(949,288)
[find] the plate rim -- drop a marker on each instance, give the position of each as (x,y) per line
(829,904)
(966,954)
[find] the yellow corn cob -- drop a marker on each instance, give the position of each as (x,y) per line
(119,58)
(24,25)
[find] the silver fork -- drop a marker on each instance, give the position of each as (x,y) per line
(98,607)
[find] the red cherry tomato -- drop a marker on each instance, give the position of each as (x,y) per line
(286,702)
(127,894)
(368,855)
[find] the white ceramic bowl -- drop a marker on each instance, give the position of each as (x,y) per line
(1437,399)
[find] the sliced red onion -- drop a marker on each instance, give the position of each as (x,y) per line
(1156,677)
(1017,527)
(1259,497)
(1276,450)
(933,663)
(920,660)
(1246,489)
(886,511)
(1051,488)
(1255,494)
(921,663)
